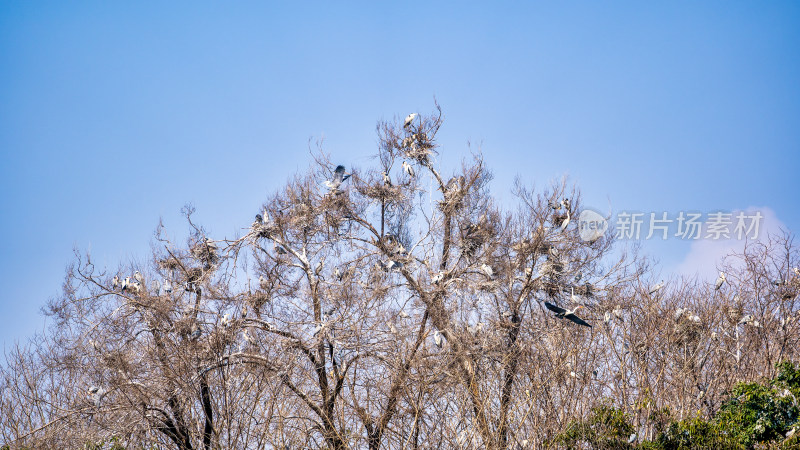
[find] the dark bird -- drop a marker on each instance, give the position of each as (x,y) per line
(562,313)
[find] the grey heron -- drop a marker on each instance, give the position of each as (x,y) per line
(259,219)
(386,180)
(138,277)
(115,283)
(568,314)
(408,169)
(720,281)
(657,287)
(167,286)
(409,120)
(263,283)
(487,270)
(403,314)
(437,338)
(436,279)
(339,176)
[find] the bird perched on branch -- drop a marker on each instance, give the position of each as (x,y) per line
(339,176)
(720,281)
(409,120)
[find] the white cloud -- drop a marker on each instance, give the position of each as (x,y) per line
(705,254)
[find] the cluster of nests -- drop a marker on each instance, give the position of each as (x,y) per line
(454,193)
(417,147)
(474,235)
(206,252)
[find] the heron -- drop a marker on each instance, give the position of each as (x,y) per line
(748,320)
(259,219)
(568,314)
(155,286)
(195,335)
(226,320)
(403,315)
(679,313)
(607,317)
(392,328)
(126,284)
(279,249)
(574,297)
(386,180)
(167,286)
(487,270)
(437,338)
(436,279)
(720,281)
(391,265)
(263,283)
(339,176)
(409,120)
(657,287)
(115,283)
(564,222)
(138,277)
(778,282)
(408,169)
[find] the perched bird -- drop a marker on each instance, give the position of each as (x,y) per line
(279,249)
(259,219)
(155,287)
(392,328)
(657,287)
(607,317)
(778,282)
(748,320)
(436,279)
(574,297)
(115,283)
(386,180)
(403,314)
(195,335)
(408,169)
(437,338)
(263,283)
(562,313)
(138,277)
(720,281)
(409,120)
(487,270)
(226,320)
(126,284)
(679,313)
(632,438)
(564,222)
(167,287)
(338,274)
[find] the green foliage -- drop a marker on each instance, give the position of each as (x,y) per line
(605,428)
(695,433)
(762,412)
(756,414)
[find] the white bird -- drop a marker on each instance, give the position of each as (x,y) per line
(409,120)
(487,270)
(720,280)
(126,284)
(392,328)
(564,222)
(574,297)
(115,283)
(632,438)
(226,320)
(409,169)
(607,317)
(391,265)
(403,314)
(155,286)
(167,287)
(386,180)
(263,283)
(568,314)
(657,287)
(694,318)
(436,279)
(138,277)
(747,320)
(679,313)
(437,338)
(796,271)
(337,273)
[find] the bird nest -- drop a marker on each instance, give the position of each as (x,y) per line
(206,252)
(417,147)
(169,263)
(391,193)
(257,300)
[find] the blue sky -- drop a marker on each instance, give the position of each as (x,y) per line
(114,115)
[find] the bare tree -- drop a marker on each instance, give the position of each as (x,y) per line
(395,306)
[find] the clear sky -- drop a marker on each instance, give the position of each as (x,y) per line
(115,114)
